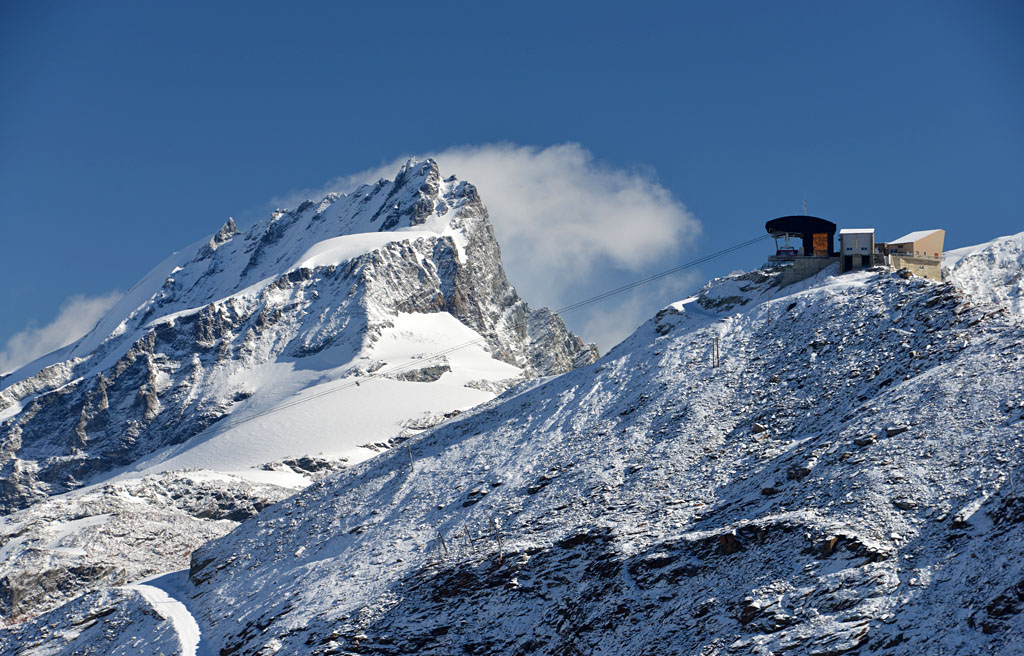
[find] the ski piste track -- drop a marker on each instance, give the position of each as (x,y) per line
(170,608)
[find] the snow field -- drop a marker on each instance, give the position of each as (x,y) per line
(336,418)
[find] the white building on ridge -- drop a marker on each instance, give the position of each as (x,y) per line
(856,248)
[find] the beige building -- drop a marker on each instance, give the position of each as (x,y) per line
(920,252)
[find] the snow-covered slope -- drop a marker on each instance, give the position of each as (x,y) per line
(301,306)
(991,272)
(844,482)
(841,481)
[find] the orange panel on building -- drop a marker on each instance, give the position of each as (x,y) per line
(821,243)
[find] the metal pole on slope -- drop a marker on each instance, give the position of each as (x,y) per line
(443,547)
(497,538)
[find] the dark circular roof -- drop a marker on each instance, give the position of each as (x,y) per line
(800,223)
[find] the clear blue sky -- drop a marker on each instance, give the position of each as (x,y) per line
(128,130)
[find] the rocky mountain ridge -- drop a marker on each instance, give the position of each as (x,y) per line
(311,288)
(992,272)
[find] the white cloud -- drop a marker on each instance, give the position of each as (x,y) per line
(558,206)
(568,225)
(77,316)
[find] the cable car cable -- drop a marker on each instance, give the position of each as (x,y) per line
(382,373)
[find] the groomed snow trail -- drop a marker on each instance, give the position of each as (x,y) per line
(170,608)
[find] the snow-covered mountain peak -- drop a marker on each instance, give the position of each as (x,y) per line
(335,229)
(224,235)
(242,322)
(416,204)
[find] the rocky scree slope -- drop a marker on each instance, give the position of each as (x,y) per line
(844,482)
(307,289)
(110,622)
(117,533)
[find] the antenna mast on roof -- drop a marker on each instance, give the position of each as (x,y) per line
(805,204)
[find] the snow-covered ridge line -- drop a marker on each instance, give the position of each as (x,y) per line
(992,272)
(169,608)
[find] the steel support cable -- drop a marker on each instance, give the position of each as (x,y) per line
(658,276)
(382,373)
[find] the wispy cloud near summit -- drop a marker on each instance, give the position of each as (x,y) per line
(77,316)
(561,216)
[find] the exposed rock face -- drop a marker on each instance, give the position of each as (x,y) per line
(307,285)
(117,533)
